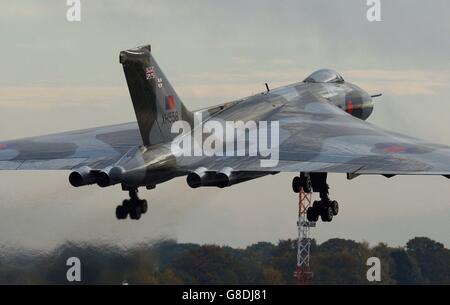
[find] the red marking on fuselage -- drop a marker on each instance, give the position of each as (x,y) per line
(394,149)
(349,106)
(171,103)
(2,146)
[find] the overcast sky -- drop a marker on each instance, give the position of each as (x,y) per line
(58,76)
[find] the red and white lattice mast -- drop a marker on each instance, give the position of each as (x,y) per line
(303,272)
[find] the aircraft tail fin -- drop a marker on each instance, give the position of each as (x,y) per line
(155,102)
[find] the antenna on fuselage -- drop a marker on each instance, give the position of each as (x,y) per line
(267,88)
(376,95)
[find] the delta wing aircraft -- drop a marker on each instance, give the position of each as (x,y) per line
(321,130)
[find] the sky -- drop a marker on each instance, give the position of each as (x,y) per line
(57,75)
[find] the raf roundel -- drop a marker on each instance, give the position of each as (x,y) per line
(170,103)
(394,149)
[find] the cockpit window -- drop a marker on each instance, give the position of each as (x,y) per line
(324,76)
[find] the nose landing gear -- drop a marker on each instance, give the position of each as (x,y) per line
(134,207)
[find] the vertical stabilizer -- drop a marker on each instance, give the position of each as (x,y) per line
(155,102)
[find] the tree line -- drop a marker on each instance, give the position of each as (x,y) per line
(336,261)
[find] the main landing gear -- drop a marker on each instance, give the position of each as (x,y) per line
(317,182)
(134,206)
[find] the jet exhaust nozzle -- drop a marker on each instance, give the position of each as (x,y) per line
(82,176)
(110,176)
(197,178)
(224,178)
(202,177)
(228,176)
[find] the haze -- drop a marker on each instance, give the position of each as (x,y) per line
(58,76)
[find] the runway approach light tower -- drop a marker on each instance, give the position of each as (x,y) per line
(303,273)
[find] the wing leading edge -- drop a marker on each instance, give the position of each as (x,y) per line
(96,148)
(317,136)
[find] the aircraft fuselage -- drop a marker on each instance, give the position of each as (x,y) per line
(153,165)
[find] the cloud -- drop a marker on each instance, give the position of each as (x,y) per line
(401,82)
(45,8)
(59,96)
(226,86)
(221,90)
(19,9)
(393,82)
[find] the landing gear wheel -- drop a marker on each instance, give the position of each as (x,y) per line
(317,204)
(326,214)
(335,207)
(121,212)
(126,204)
(144,206)
(296,184)
(301,182)
(306,183)
(135,211)
(312,214)
(133,207)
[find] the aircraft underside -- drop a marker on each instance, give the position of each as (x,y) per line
(314,127)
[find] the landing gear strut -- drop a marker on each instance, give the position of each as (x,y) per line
(325,207)
(134,206)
